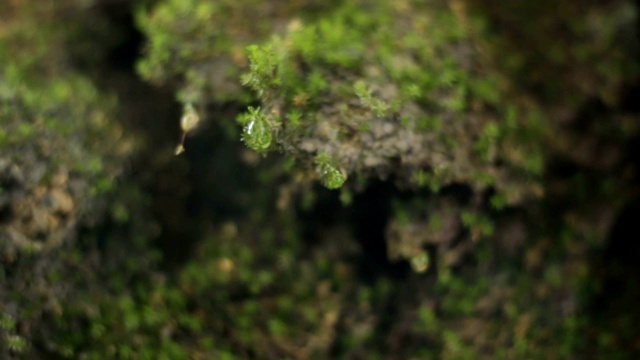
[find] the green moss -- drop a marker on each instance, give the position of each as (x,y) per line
(419,80)
(263,75)
(203,42)
(411,103)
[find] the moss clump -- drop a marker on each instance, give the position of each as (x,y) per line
(60,154)
(59,144)
(250,290)
(588,51)
(492,185)
(387,91)
(202,42)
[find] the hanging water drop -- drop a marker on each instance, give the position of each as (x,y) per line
(188,122)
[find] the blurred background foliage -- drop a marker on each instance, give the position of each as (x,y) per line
(369,179)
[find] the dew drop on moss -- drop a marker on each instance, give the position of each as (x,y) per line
(257,135)
(332,178)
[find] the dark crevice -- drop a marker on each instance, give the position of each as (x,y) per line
(616,271)
(123,56)
(6,214)
(369,218)
(149,114)
(187,191)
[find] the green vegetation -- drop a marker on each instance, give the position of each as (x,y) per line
(355,179)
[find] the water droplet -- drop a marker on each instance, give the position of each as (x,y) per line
(331,177)
(190,118)
(257,135)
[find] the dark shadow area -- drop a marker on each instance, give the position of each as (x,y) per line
(369,216)
(150,115)
(218,176)
(614,302)
(127,51)
(614,306)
